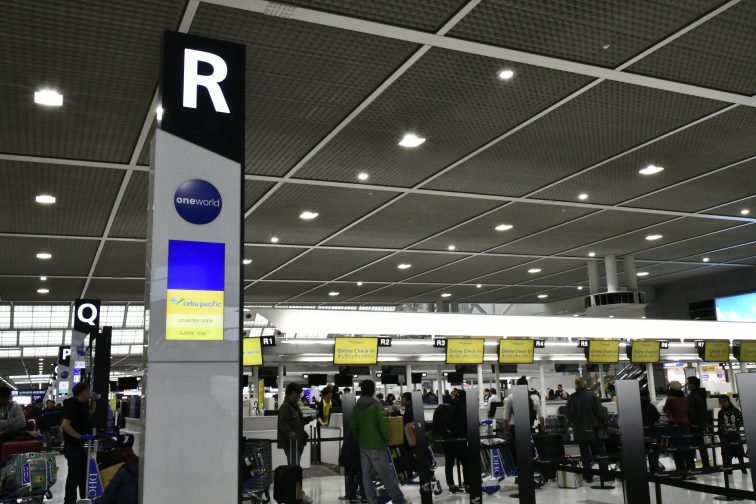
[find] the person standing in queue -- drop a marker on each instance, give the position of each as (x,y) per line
(730,422)
(371,428)
(77,429)
(588,416)
(698,418)
(676,409)
(12,420)
(455,449)
(291,422)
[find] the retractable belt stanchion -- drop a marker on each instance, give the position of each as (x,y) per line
(347,405)
(523,444)
(421,448)
(635,483)
(472,464)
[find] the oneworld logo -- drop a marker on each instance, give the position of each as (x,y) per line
(198,201)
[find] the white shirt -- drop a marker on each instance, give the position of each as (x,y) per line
(508,408)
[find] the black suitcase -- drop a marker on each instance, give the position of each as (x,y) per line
(287,483)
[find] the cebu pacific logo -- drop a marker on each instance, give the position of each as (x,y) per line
(177,301)
(198,201)
(180,301)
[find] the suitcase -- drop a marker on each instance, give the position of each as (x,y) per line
(396,431)
(550,446)
(569,479)
(287,482)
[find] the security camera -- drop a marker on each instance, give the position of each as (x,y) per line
(247,316)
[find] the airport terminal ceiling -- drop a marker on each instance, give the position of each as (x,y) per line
(537,120)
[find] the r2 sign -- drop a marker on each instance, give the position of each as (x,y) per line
(384,342)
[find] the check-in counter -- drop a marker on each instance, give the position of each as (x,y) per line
(266,427)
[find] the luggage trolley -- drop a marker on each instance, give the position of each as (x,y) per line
(257,470)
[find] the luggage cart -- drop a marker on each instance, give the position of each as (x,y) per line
(257,470)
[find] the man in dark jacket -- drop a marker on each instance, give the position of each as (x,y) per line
(370,426)
(455,448)
(698,417)
(124,487)
(587,416)
(291,424)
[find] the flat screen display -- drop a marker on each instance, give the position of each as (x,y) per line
(740,308)
(316,380)
(716,351)
(252,352)
(194,300)
(390,379)
(747,351)
(464,350)
(516,351)
(343,380)
(645,352)
(417,378)
(455,378)
(348,351)
(603,351)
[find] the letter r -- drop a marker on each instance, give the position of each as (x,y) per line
(192,79)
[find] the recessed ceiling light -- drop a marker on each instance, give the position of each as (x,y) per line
(580,287)
(745,211)
(506,74)
(705,259)
(503,227)
(334,293)
(643,317)
(363,176)
(452,247)
(654,237)
(247,261)
(43,278)
(651,170)
(576,315)
(159,113)
(41,359)
(446,295)
(307,215)
(478,286)
(534,270)
(411,140)
(542,296)
(642,273)
(583,196)
(591,254)
(274,239)
(611,316)
(43,291)
(48,97)
(404,266)
(359,284)
(44,199)
(44,255)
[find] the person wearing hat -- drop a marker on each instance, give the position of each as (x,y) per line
(676,408)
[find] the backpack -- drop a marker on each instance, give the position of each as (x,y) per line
(443,420)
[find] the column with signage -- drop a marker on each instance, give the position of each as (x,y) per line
(191,414)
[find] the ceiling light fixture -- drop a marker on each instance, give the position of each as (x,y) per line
(274,239)
(583,196)
(247,261)
(591,254)
(506,74)
(359,284)
(307,215)
(363,176)
(643,273)
(705,259)
(503,227)
(542,296)
(411,141)
(43,278)
(43,291)
(44,256)
(745,211)
(651,170)
(654,237)
(334,293)
(45,199)
(611,316)
(159,113)
(446,295)
(534,270)
(404,266)
(452,247)
(478,286)
(580,287)
(48,97)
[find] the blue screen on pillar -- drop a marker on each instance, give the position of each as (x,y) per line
(737,308)
(195,296)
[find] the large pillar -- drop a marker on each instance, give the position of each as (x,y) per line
(408,372)
(480,384)
(281,384)
(194,276)
(542,385)
(497,374)
(594,284)
(441,384)
(631,279)
(610,263)
(651,381)
(602,392)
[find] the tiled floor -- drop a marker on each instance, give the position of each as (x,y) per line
(327,489)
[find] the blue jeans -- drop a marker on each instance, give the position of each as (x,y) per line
(379,461)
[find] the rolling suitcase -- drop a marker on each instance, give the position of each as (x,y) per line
(287,482)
